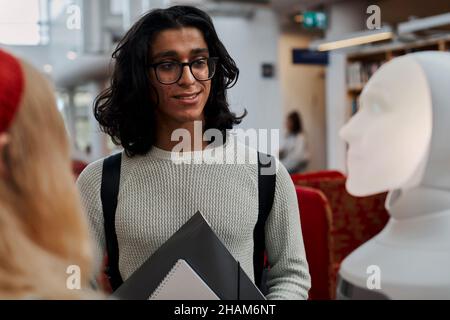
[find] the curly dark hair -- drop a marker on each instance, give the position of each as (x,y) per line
(125,110)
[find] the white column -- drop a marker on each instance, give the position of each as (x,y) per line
(98,139)
(94,13)
(344,17)
(133,9)
(153,4)
(69,111)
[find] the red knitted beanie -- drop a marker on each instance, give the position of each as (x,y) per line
(11,89)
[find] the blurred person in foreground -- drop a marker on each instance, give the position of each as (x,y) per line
(43,232)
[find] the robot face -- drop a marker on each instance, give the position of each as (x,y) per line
(388,137)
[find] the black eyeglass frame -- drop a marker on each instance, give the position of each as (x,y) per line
(182,65)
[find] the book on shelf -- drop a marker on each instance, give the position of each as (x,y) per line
(359,73)
(355,105)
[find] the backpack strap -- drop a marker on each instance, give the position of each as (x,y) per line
(109,192)
(266,194)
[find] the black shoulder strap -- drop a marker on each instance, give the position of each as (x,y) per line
(266,194)
(108,193)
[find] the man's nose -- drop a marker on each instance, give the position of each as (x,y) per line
(187,77)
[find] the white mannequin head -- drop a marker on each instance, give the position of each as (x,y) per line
(399,138)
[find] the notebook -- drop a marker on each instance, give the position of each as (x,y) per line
(183,283)
(206,256)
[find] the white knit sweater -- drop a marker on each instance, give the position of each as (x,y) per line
(157,196)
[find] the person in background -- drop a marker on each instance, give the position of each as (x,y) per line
(43,231)
(294,155)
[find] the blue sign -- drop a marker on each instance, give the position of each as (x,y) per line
(306,56)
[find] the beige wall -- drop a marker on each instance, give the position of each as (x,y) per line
(303,89)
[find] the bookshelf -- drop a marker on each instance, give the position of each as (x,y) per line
(363,64)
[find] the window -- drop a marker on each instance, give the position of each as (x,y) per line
(24,22)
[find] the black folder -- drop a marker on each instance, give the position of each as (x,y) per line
(196,243)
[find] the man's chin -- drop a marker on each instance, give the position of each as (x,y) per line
(181,115)
(183,118)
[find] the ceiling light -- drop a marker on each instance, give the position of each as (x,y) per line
(353,39)
(71,55)
(48,68)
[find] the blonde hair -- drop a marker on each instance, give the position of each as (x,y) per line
(43,230)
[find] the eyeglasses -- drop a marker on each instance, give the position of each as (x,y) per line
(169,72)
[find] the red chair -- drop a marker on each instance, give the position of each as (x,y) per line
(317,175)
(315,214)
(78,167)
(102,278)
(353,221)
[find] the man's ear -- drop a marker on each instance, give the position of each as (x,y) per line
(4,140)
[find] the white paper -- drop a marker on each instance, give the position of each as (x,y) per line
(183,283)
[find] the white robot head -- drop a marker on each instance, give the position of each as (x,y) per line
(400,137)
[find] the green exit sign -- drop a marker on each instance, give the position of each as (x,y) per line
(313,19)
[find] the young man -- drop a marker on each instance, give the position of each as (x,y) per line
(172,70)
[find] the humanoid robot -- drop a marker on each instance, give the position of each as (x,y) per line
(399,141)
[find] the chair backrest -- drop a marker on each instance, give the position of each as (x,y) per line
(78,167)
(317,175)
(315,215)
(354,220)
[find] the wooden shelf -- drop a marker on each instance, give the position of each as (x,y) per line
(441,43)
(355,90)
(362,64)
